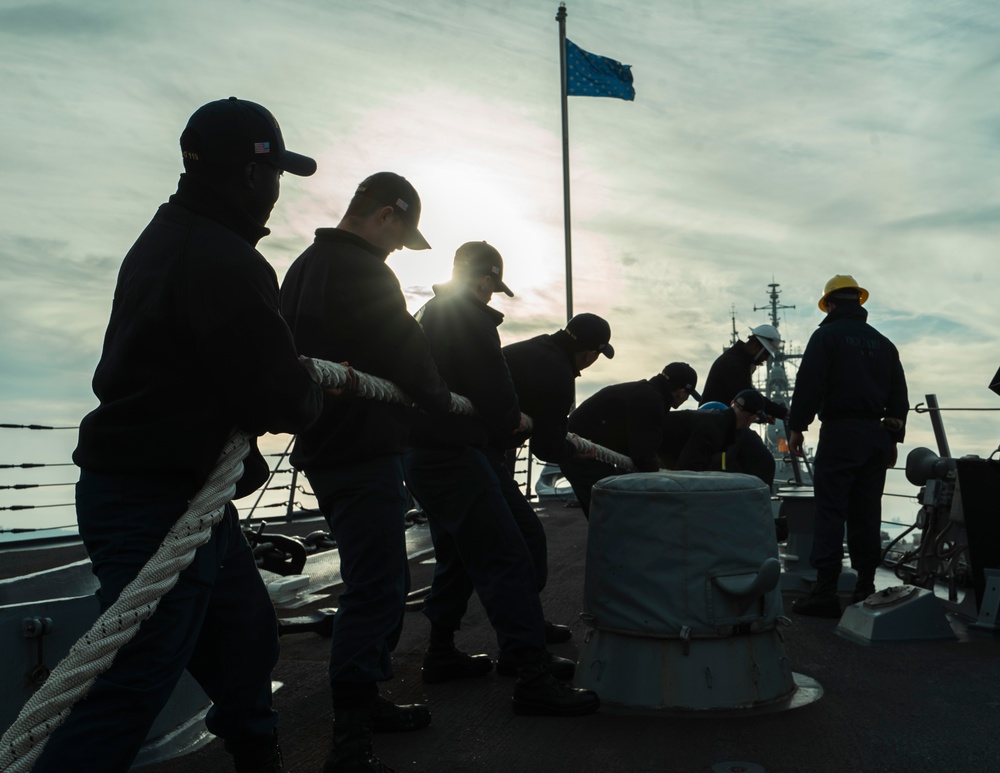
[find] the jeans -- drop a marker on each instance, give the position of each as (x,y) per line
(527,523)
(217,621)
(365,506)
(475,536)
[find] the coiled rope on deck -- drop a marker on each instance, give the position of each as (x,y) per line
(94,652)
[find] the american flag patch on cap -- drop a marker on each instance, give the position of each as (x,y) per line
(262,147)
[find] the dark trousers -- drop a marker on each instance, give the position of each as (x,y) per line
(526,519)
(582,474)
(217,622)
(475,536)
(848,480)
(455,587)
(365,506)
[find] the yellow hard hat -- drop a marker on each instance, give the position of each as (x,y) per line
(842,282)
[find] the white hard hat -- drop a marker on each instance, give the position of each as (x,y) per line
(768,337)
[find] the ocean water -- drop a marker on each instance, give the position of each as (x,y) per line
(41,496)
(48,501)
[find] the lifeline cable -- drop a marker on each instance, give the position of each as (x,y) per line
(94,652)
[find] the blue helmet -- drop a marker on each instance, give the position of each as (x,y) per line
(715,405)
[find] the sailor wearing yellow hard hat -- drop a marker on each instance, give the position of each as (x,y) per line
(842,286)
(850,377)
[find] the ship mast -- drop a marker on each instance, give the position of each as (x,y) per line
(776,386)
(773,304)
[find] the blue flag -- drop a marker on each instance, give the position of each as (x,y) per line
(590,75)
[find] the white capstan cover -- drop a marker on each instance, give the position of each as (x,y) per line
(657,540)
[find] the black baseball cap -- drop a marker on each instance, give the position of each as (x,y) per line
(680,375)
(235,131)
(477,258)
(751,401)
(393,190)
(591,333)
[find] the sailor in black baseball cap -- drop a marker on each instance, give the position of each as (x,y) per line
(481,259)
(592,333)
(192,283)
(391,189)
(751,402)
(236,131)
(681,376)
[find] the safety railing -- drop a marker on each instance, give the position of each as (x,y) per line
(36,495)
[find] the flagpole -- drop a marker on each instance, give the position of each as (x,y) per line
(561,18)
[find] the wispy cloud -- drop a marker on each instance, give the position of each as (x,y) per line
(779,142)
(59,20)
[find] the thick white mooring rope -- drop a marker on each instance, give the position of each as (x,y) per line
(374,388)
(72,678)
(602,454)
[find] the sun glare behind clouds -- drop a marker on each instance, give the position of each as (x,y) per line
(781,142)
(481,170)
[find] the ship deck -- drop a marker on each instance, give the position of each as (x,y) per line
(916,706)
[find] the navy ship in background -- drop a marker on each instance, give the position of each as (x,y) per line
(774,381)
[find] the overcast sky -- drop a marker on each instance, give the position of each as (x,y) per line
(768,141)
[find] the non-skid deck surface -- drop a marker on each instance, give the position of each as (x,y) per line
(903,708)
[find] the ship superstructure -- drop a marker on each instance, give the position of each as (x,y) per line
(777,387)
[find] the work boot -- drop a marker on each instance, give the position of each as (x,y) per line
(822,600)
(537,692)
(860,593)
(561,668)
(352,743)
(442,665)
(256,754)
(557,634)
(865,586)
(387,717)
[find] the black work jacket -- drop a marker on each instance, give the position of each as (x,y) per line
(695,440)
(344,304)
(627,418)
(195,348)
(543,370)
(463,337)
(849,370)
(730,374)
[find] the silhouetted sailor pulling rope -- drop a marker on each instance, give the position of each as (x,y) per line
(94,652)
